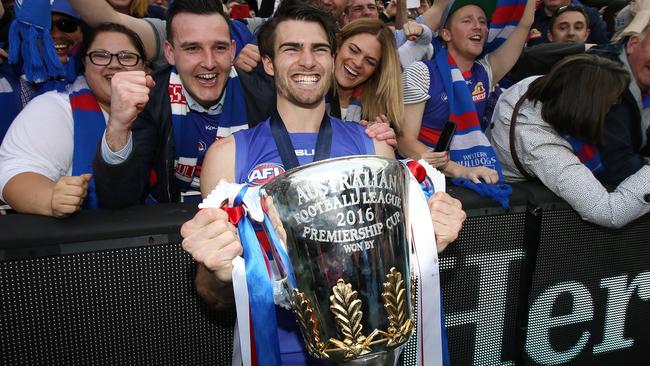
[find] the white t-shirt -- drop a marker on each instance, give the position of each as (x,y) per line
(40,139)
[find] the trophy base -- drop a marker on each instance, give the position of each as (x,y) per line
(388,358)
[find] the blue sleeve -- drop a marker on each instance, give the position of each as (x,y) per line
(241,35)
(597,26)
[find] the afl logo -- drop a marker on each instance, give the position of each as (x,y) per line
(202,146)
(263,173)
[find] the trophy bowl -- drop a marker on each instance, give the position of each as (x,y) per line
(343,225)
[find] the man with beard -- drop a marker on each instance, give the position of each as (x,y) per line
(297,49)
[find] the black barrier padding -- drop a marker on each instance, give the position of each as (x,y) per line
(480,276)
(32,230)
(475,205)
(133,306)
(590,268)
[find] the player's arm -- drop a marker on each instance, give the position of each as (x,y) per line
(219,163)
(208,236)
(383,149)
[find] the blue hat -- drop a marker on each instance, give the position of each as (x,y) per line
(30,41)
(64,7)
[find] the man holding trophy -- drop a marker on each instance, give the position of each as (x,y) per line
(297,49)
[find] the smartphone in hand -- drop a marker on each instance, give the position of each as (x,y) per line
(446,136)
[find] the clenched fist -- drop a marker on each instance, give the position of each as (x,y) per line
(129,95)
(68,194)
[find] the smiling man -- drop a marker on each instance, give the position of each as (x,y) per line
(66,29)
(157,154)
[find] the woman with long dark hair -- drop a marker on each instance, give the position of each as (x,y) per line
(548,127)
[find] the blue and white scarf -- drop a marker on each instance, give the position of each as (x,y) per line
(469,147)
(89,126)
(187,125)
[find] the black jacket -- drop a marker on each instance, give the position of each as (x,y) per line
(149,169)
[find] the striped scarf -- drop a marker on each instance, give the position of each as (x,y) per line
(587,153)
(89,126)
(504,20)
(354,110)
(188,125)
(469,147)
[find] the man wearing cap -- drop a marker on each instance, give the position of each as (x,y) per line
(66,29)
(427,107)
(16,91)
(540,28)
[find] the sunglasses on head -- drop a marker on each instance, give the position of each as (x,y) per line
(66,25)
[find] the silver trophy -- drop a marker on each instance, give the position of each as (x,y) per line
(346,236)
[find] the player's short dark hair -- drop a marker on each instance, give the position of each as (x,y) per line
(296,10)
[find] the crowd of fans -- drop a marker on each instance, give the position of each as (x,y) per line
(390,66)
(119,102)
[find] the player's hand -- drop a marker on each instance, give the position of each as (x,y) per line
(213,242)
(129,95)
(249,57)
(380,130)
(68,194)
(437,160)
(447,216)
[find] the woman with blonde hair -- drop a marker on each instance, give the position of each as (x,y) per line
(368,80)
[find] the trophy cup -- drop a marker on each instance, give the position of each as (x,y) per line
(343,224)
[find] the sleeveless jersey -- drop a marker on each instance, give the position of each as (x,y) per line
(258,161)
(436,109)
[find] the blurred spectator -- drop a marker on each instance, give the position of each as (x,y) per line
(15,89)
(139,8)
(336,8)
(66,30)
(162,3)
(241,9)
(569,24)
(46,163)
(361,9)
(540,28)
(547,128)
